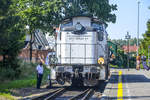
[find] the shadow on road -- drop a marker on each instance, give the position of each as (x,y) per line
(129,78)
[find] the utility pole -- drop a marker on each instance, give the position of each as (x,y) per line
(128,37)
(138,29)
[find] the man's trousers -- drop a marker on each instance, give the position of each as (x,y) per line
(39,79)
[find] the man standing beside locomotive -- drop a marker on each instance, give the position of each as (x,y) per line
(39,69)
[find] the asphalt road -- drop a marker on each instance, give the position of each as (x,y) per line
(130,85)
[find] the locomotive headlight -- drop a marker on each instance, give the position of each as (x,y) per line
(101,60)
(78,26)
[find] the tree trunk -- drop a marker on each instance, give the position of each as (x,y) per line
(4,58)
(30,51)
(31,48)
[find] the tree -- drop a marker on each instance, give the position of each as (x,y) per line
(145,43)
(45,14)
(122,58)
(11,35)
(41,14)
(95,8)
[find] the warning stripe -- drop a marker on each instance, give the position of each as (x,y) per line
(120,90)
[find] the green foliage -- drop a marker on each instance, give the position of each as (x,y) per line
(11,38)
(4,7)
(22,70)
(121,58)
(7,73)
(145,43)
(27,78)
(133,41)
(41,14)
(45,14)
(113,66)
(38,14)
(17,84)
(7,96)
(27,70)
(132,62)
(121,42)
(96,8)
(15,15)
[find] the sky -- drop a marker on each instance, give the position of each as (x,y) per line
(127,18)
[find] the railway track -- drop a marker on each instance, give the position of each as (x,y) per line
(51,95)
(85,95)
(69,93)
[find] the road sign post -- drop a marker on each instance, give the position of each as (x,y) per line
(128,37)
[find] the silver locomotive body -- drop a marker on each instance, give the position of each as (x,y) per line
(81,52)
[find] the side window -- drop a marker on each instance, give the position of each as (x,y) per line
(66,24)
(100,35)
(97,26)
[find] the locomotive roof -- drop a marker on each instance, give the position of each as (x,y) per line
(93,19)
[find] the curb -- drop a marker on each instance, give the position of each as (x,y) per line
(108,88)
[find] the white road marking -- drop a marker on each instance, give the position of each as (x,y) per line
(127,88)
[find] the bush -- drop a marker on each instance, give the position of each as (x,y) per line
(10,69)
(132,62)
(26,78)
(8,74)
(27,70)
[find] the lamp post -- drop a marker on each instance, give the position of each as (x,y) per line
(138,29)
(128,37)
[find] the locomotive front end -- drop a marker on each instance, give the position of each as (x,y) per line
(81,52)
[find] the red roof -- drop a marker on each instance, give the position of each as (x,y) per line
(131,48)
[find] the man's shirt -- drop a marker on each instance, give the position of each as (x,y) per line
(39,69)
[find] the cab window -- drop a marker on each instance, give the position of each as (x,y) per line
(66,24)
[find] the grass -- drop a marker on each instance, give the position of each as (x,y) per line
(4,96)
(113,66)
(4,87)
(26,79)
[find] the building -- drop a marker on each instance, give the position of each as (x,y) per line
(132,49)
(39,42)
(40,47)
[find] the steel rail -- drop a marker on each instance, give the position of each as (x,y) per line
(88,94)
(79,95)
(84,95)
(56,94)
(44,95)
